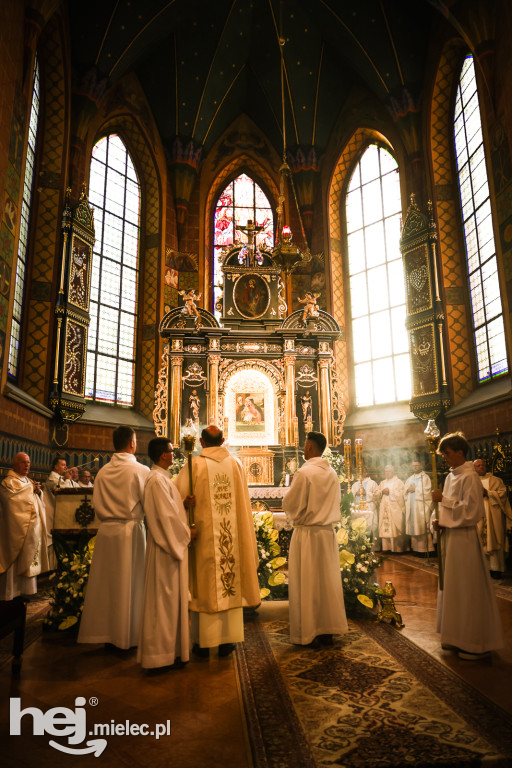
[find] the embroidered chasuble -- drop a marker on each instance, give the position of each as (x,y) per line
(226,557)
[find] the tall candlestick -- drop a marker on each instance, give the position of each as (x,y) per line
(359,469)
(432,434)
(347,453)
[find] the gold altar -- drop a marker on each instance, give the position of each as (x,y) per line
(265,377)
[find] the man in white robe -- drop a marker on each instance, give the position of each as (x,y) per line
(392,512)
(467,610)
(312,504)
(370,487)
(113,600)
(224,557)
(58,478)
(418,501)
(498,516)
(84,480)
(23,552)
(164,638)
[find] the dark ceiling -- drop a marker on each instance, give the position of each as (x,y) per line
(203,63)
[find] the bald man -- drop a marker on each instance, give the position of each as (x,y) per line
(224,556)
(23,552)
(498,517)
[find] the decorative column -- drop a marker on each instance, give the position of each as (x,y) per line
(213,378)
(175,409)
(325,398)
(289,363)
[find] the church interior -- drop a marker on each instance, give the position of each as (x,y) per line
(276,216)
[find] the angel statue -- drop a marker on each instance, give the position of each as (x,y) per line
(311,308)
(190,297)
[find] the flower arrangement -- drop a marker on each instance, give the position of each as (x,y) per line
(358,562)
(72,575)
(336,461)
(271,580)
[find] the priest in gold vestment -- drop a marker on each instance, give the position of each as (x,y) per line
(23,552)
(223,578)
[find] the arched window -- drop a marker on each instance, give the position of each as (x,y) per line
(484,287)
(21,263)
(114,192)
(377,292)
(242,200)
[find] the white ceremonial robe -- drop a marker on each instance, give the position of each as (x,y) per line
(23,552)
(467,610)
(113,600)
(312,503)
(493,526)
(370,487)
(392,515)
(164,632)
(417,511)
(224,557)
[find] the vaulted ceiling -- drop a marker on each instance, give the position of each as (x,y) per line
(203,63)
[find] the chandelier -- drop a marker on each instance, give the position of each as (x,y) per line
(286,255)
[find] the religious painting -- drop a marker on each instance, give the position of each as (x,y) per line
(251,296)
(250,412)
(171,277)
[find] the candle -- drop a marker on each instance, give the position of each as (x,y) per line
(359,450)
(296,429)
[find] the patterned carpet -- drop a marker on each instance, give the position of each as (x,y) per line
(373,700)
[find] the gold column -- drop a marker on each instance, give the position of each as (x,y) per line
(325,398)
(289,362)
(175,405)
(213,401)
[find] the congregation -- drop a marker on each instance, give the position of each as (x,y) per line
(175,559)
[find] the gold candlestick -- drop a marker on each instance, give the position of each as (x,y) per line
(359,467)
(347,453)
(296,438)
(189,443)
(432,434)
(282,442)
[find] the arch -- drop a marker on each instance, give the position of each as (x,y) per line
(139,147)
(250,402)
(445,190)
(243,163)
(336,195)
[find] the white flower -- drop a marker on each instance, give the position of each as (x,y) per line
(345,580)
(65,559)
(67,600)
(356,590)
(59,585)
(61,610)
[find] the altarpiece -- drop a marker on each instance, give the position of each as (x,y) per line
(263,376)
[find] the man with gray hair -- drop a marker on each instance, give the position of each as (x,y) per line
(390,493)
(23,553)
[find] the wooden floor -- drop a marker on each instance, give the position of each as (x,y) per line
(202,702)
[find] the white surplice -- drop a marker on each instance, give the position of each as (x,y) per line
(467,610)
(418,501)
(392,515)
(113,601)
(165,629)
(312,504)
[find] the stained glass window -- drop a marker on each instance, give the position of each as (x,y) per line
(484,287)
(114,192)
(21,263)
(242,200)
(377,290)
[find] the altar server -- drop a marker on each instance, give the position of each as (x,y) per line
(113,601)
(370,514)
(417,492)
(22,531)
(312,504)
(392,512)
(224,562)
(164,637)
(467,610)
